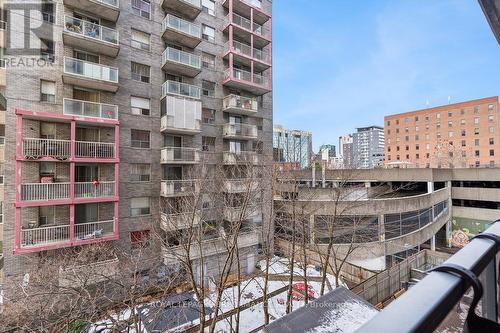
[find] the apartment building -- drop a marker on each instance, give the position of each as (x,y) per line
(459,135)
(133,98)
(368,147)
(345,150)
(292,146)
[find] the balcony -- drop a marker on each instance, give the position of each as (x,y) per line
(240,105)
(170,222)
(244,6)
(174,188)
(36,148)
(107,9)
(33,237)
(171,255)
(45,191)
(94,150)
(180,62)
(94,230)
(180,155)
(180,89)
(90,37)
(188,8)
(237,214)
(242,157)
(246,28)
(244,54)
(86,274)
(90,75)
(181,31)
(427,304)
(90,190)
(239,131)
(240,185)
(252,82)
(75,107)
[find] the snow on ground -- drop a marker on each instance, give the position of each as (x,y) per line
(251,289)
(345,318)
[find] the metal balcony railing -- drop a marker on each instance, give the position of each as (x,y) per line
(92,230)
(181,89)
(44,235)
(44,191)
(245,130)
(181,57)
(425,305)
(92,149)
(248,51)
(76,107)
(34,148)
(183,26)
(90,30)
(240,102)
(242,75)
(113,3)
(180,154)
(178,187)
(90,70)
(247,24)
(98,189)
(230,157)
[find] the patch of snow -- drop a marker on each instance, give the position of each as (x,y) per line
(345,317)
(374,264)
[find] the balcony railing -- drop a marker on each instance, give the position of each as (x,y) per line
(180,155)
(425,305)
(239,102)
(93,230)
(181,57)
(76,107)
(96,189)
(247,24)
(92,149)
(113,3)
(90,30)
(44,191)
(244,130)
(247,50)
(179,220)
(34,148)
(194,3)
(181,89)
(242,75)
(240,157)
(90,70)
(180,25)
(44,235)
(178,187)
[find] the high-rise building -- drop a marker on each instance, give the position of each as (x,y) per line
(460,135)
(327,151)
(368,147)
(132,97)
(345,150)
(292,146)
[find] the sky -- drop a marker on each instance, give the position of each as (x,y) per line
(339,64)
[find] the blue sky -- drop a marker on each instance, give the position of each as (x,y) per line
(338,65)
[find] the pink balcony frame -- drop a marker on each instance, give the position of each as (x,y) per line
(72,160)
(230,52)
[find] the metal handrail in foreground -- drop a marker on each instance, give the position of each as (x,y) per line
(424,306)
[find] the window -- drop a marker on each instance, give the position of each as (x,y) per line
(438,135)
(208,143)
(1,212)
(388,123)
(48,12)
(476,120)
(140,40)
(416,118)
(492,130)
(462,112)
(417,156)
(208,88)
(416,128)
(476,109)
(389,149)
(208,116)
(140,172)
(462,122)
(476,142)
(3,19)
(417,147)
(139,139)
(438,125)
(463,143)
(140,206)
(417,137)
(476,153)
(407,148)
(1,173)
(140,72)
(208,33)
(47,169)
(208,60)
(47,50)
(140,239)
(450,134)
(476,131)
(388,132)
(406,130)
(490,107)
(208,6)
(47,91)
(492,152)
(142,8)
(450,114)
(438,115)
(397,121)
(490,118)
(140,106)
(492,141)
(450,124)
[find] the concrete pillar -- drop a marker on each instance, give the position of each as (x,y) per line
(381,228)
(312,234)
(448,233)
(433,243)
(430,187)
(323,174)
(313,170)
